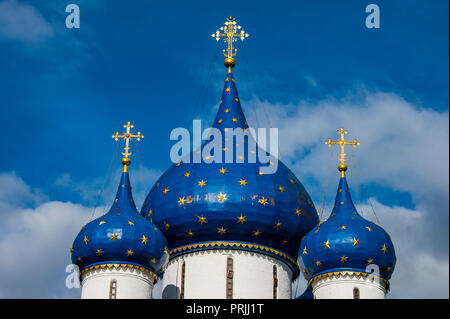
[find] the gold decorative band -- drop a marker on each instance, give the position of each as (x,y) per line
(228,244)
(348,273)
(116,266)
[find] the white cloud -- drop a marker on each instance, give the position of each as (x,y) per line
(23,22)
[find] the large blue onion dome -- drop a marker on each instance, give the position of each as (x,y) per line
(203,205)
(121,237)
(346,242)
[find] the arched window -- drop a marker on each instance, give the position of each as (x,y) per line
(275,282)
(229,278)
(356,293)
(183,271)
(113,289)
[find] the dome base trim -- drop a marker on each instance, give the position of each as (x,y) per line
(349,273)
(117,266)
(252,247)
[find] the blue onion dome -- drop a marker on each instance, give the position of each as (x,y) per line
(346,242)
(235,205)
(121,237)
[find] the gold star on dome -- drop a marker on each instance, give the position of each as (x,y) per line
(101,222)
(71,249)
(222,170)
(228,89)
(317,230)
(80,259)
(201,220)
(326,244)
(305,251)
(260,173)
(368,228)
(236,99)
(318,263)
(241,219)
(277,225)
(129,253)
(220,120)
(344,259)
(370,261)
(281,188)
(221,230)
(166,226)
(388,268)
(342,227)
(221,197)
(166,190)
(99,252)
(178,164)
(144,240)
(257,233)
(187,174)
(355,242)
(152,260)
(234,119)
(242,182)
(190,233)
(298,211)
(227,110)
(85,240)
(201,183)
(114,237)
(150,212)
(284,242)
(166,250)
(384,248)
(181,201)
(130,223)
(263,201)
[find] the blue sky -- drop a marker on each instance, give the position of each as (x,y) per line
(312,66)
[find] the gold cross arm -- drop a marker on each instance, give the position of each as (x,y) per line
(127,136)
(230,33)
(342,143)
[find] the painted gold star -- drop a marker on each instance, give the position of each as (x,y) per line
(71,249)
(187,174)
(326,244)
(234,119)
(298,212)
(201,219)
(181,201)
(318,263)
(166,250)
(228,89)
(281,188)
(221,197)
(284,242)
(263,201)
(222,170)
(344,259)
(144,239)
(227,110)
(150,212)
(277,225)
(260,173)
(129,253)
(221,230)
(85,240)
(356,242)
(130,223)
(242,182)
(101,222)
(368,228)
(190,233)
(388,268)
(384,248)
(166,190)
(114,237)
(241,219)
(342,227)
(166,226)
(257,233)
(370,261)
(99,252)
(305,251)
(80,259)
(201,183)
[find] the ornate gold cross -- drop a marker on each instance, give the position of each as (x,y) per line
(127,136)
(342,143)
(230,34)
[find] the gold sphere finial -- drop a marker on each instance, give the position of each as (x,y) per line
(230,18)
(229,63)
(126,161)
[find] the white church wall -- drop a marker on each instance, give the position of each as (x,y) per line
(131,283)
(205,276)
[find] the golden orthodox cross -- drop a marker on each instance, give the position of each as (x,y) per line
(342,143)
(127,136)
